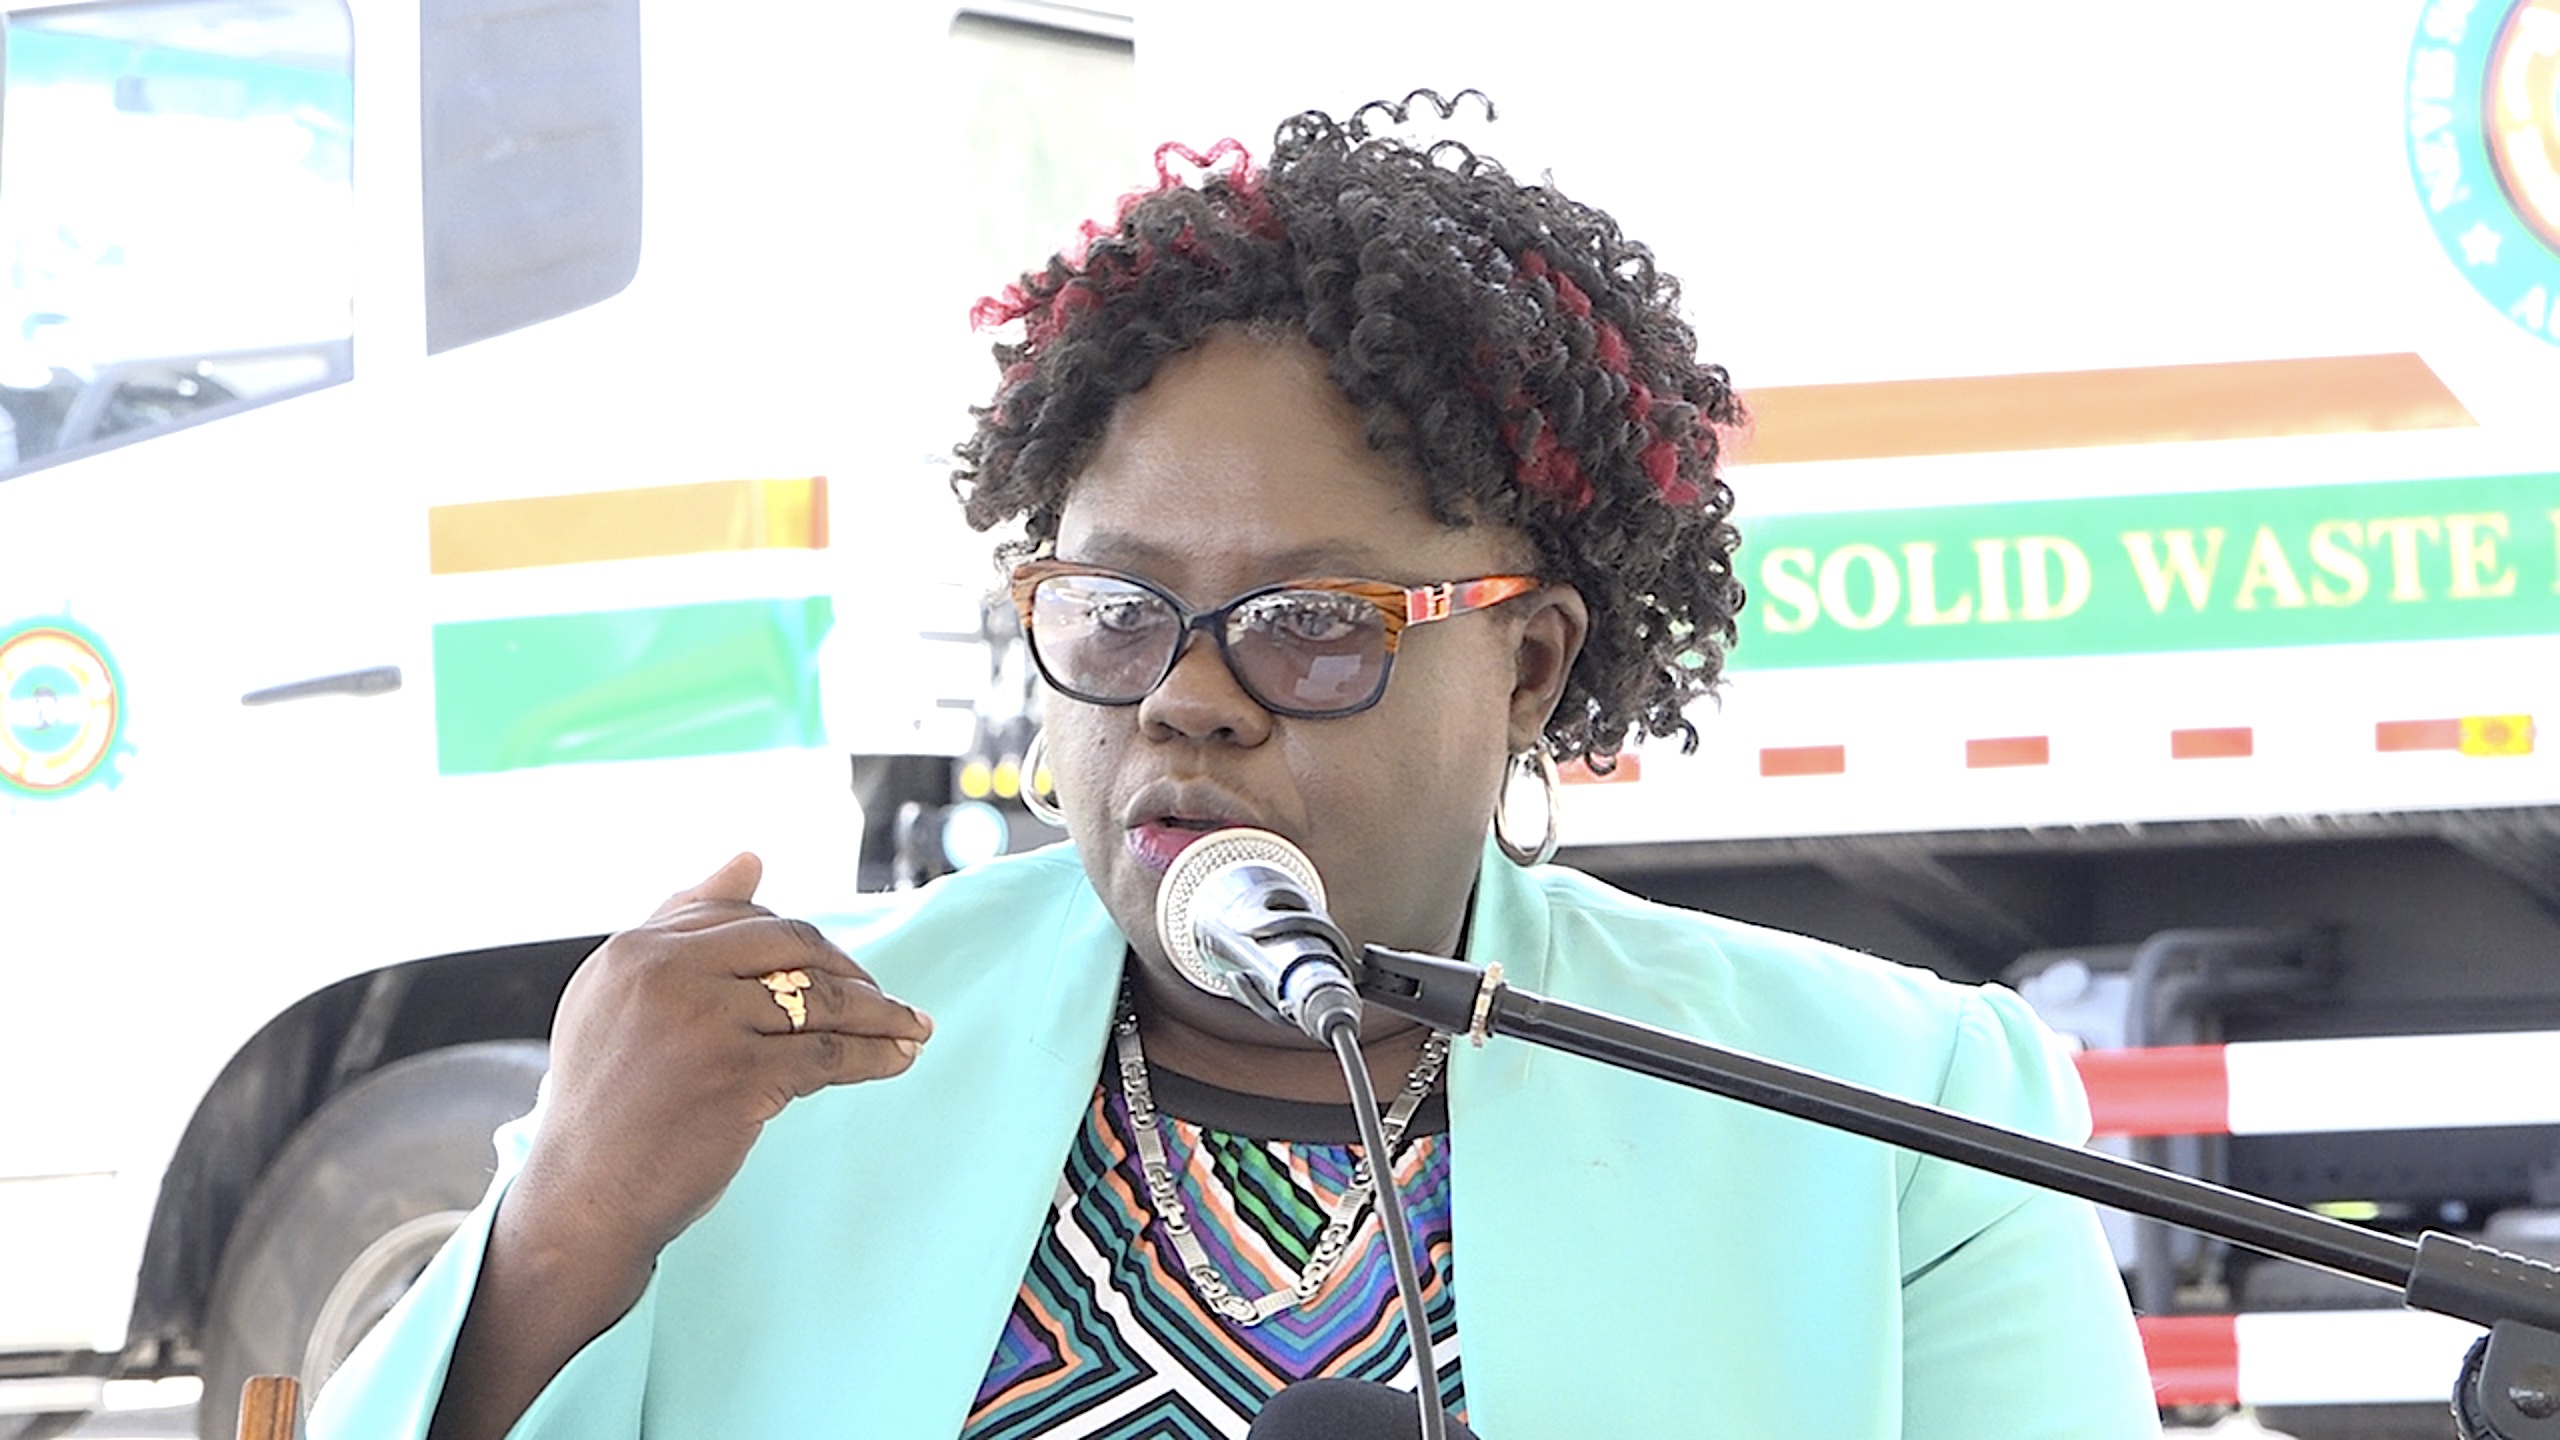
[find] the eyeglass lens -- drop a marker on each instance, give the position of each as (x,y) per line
(1111,641)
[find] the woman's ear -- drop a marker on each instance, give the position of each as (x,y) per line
(1551,637)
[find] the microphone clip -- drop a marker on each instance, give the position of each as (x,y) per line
(1307,950)
(1445,994)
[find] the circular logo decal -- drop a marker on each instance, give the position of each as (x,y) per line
(2484,145)
(60,708)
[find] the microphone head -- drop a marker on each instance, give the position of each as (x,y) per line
(1212,873)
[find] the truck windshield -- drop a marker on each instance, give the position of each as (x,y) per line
(175,228)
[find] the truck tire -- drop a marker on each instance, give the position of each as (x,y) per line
(350,1212)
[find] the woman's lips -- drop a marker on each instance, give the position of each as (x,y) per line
(1165,817)
(1155,843)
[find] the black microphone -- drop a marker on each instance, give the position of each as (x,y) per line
(1241,914)
(1336,1409)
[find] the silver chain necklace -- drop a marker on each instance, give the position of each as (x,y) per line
(1340,1221)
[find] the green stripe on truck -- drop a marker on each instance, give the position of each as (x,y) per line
(645,684)
(2134,574)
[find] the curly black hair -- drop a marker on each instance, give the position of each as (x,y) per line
(1502,340)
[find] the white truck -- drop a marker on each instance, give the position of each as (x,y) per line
(2150,521)
(459,457)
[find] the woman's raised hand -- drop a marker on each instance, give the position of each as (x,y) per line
(670,1052)
(668,1055)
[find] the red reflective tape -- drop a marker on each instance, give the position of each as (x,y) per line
(2164,1090)
(1805,760)
(2394,735)
(2231,742)
(2195,1359)
(2012,750)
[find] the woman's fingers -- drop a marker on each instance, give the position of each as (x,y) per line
(678,1040)
(828,1020)
(793,967)
(820,1058)
(731,887)
(758,942)
(832,999)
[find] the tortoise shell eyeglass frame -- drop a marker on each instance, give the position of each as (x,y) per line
(1397,606)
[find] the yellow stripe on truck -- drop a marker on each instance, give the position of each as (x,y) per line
(628,524)
(2072,409)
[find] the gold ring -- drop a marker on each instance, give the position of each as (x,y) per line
(787,986)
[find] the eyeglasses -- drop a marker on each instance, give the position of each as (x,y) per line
(1310,649)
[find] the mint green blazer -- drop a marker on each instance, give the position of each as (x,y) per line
(1633,1258)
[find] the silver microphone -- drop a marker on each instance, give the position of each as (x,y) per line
(1241,914)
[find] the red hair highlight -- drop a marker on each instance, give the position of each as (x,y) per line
(1549,469)
(1610,347)
(1570,296)
(1662,465)
(1239,162)
(1228,159)
(1002,308)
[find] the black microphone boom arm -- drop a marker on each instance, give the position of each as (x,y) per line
(2518,1298)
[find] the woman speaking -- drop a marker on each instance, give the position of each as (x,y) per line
(1357,488)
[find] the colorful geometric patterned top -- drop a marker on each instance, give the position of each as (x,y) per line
(1107,1340)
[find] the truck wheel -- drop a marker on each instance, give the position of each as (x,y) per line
(350,1212)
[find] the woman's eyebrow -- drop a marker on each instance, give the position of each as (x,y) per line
(1151,558)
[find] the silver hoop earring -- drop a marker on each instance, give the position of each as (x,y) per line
(1539,761)
(1038,786)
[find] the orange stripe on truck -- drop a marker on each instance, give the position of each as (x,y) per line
(628,524)
(2074,409)
(1804,760)
(2228,742)
(2391,736)
(2007,751)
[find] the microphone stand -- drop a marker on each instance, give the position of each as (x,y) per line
(2509,1386)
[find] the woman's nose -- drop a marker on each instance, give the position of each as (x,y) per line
(1201,700)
